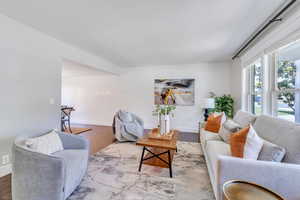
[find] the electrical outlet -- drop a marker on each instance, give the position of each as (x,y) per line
(52,101)
(5,159)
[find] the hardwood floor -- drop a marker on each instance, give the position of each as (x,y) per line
(5,188)
(99,137)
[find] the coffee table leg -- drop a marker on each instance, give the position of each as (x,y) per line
(170,163)
(140,167)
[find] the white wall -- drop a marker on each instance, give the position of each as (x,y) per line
(30,75)
(97,98)
(18,37)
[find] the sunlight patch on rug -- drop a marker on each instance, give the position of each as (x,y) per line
(113,175)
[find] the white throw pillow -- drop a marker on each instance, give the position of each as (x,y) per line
(253,145)
(45,144)
(228,128)
(223,120)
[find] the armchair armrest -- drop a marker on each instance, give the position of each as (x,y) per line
(37,176)
(282,178)
(71,141)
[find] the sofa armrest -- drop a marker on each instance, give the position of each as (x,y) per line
(71,141)
(282,178)
(37,176)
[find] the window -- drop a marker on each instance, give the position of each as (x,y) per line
(271,84)
(256,87)
(287,103)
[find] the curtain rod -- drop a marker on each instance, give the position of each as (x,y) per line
(276,18)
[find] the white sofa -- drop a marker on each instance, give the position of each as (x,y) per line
(282,178)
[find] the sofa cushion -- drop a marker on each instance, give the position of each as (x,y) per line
(271,152)
(215,149)
(281,132)
(238,141)
(206,136)
(244,118)
(75,168)
(213,123)
(228,128)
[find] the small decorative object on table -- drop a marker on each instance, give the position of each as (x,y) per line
(154,134)
(208,103)
(163,113)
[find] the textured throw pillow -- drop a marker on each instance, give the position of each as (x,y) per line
(244,118)
(253,145)
(271,152)
(237,142)
(227,128)
(213,123)
(46,144)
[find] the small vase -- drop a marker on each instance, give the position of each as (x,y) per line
(164,124)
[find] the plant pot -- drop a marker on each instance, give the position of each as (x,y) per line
(164,124)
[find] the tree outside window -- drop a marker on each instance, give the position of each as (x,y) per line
(286,80)
(286,83)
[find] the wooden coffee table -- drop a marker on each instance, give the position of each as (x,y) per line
(160,151)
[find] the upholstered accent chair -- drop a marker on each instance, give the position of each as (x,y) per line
(39,176)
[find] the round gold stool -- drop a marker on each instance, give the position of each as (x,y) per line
(240,190)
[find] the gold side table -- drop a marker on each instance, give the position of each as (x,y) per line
(241,190)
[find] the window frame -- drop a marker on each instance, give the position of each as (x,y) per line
(276,90)
(250,85)
(270,90)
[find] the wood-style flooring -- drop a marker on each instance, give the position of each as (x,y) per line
(5,187)
(99,137)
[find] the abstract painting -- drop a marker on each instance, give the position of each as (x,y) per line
(174,92)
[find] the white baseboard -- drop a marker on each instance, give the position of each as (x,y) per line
(191,130)
(5,170)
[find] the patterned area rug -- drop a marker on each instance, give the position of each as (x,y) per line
(113,175)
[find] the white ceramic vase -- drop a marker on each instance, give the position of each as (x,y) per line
(164,122)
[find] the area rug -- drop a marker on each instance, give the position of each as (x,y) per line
(113,175)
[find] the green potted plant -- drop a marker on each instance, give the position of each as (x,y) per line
(224,104)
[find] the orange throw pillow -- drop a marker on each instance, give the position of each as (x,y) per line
(213,123)
(237,142)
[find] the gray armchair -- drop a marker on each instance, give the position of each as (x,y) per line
(39,176)
(128,126)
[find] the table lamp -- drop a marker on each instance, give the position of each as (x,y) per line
(208,103)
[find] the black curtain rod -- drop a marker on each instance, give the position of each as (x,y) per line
(274,19)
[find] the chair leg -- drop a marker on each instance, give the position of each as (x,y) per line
(69,126)
(64,127)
